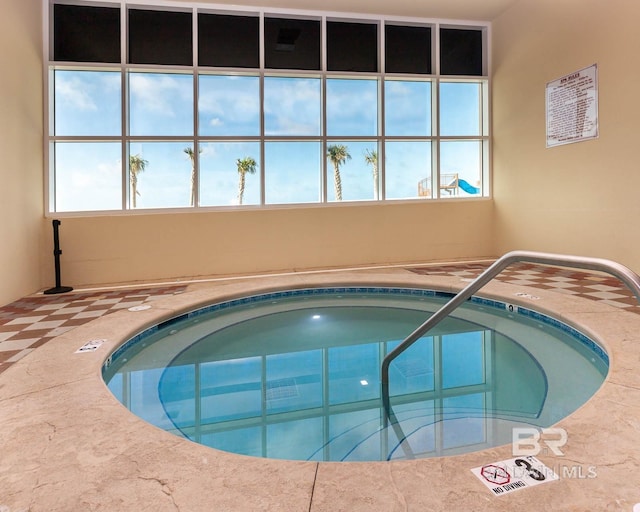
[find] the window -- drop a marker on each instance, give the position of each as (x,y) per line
(461,52)
(159,174)
(408,49)
(352,46)
(160,37)
(292,106)
(408,164)
(160,104)
(88,176)
(462,145)
(86,34)
(352,169)
(214,32)
(226,178)
(291,43)
(160,107)
(228,105)
(87,103)
(88,172)
(292,172)
(408,107)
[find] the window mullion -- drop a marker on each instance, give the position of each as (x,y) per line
(124,134)
(435,109)
(196,117)
(263,175)
(124,105)
(381,139)
(263,152)
(196,138)
(324,170)
(435,167)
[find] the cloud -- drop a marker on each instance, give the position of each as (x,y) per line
(396,87)
(352,107)
(162,94)
(292,106)
(88,178)
(230,100)
(349,98)
(408,108)
(74,92)
(208,151)
(85,90)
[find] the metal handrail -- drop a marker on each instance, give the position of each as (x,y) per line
(627,276)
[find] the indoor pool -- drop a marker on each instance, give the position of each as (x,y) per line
(296,374)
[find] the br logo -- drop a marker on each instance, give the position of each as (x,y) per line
(531,441)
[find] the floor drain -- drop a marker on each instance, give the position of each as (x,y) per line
(141,307)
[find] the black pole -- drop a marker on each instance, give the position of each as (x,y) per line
(56,257)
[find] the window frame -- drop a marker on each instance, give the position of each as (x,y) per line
(435,138)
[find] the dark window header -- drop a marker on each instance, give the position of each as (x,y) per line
(83,33)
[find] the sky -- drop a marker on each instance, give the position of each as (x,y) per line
(89,170)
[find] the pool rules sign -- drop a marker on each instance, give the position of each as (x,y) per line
(514,474)
(572,107)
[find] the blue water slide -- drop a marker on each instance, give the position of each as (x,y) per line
(468,187)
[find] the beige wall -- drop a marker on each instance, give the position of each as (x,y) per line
(162,246)
(21,208)
(580,198)
(484,10)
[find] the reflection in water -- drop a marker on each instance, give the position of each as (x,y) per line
(304,384)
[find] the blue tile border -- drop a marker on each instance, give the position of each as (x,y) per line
(414,292)
(567,329)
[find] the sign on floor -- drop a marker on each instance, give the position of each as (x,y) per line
(514,474)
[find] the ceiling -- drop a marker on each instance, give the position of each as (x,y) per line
(472,10)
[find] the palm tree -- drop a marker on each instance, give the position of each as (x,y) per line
(192,156)
(338,154)
(371,157)
(137,164)
(245,165)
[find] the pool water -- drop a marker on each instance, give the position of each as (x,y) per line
(298,377)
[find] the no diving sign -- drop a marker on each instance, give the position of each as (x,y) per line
(513,474)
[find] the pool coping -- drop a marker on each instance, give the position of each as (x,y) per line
(69,445)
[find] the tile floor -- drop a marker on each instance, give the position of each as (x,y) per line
(590,285)
(32,321)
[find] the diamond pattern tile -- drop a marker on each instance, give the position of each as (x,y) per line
(32,321)
(594,286)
